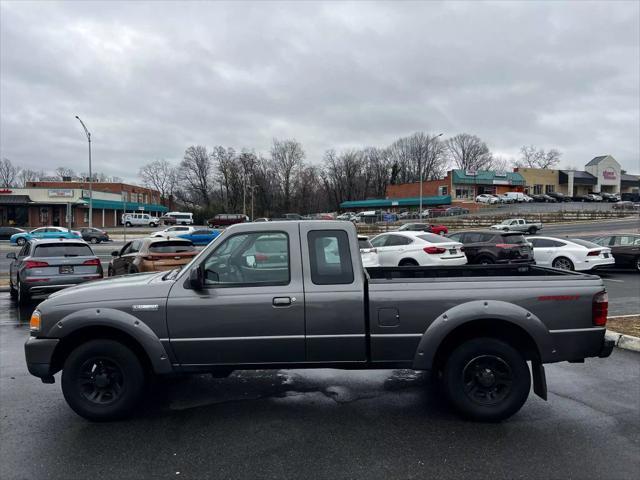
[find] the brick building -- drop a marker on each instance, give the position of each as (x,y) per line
(62,203)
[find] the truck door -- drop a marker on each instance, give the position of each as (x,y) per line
(334,293)
(251,309)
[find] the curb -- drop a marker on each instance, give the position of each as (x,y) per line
(626,342)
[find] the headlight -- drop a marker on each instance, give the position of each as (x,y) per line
(34,323)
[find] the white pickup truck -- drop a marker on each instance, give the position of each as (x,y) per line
(518,225)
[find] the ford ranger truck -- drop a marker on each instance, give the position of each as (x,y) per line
(294,294)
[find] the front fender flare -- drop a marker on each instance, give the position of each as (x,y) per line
(119,320)
(478,310)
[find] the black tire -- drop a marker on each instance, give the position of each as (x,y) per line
(486,379)
(94,240)
(12,290)
(113,391)
(21,241)
(408,262)
(110,272)
(152,225)
(127,224)
(23,296)
(563,263)
(638,264)
(532,230)
(485,261)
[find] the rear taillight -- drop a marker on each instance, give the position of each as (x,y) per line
(93,261)
(34,264)
(600,309)
(593,254)
(434,250)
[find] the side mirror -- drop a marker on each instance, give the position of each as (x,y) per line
(11,255)
(115,253)
(196,280)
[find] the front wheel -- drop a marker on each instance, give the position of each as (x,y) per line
(533,230)
(102,380)
(94,240)
(127,224)
(487,379)
(152,225)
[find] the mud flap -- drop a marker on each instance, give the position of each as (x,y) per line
(539,379)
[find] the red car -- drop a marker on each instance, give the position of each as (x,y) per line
(425,227)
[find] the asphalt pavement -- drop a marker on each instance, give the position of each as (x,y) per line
(319,424)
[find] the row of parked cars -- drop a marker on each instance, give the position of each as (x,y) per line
(498,246)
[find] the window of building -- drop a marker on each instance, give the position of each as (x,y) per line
(464,192)
(330,257)
(537,189)
(44,215)
(549,188)
(444,190)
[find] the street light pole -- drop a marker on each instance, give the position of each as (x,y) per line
(420,173)
(86,131)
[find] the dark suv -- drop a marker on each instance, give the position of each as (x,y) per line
(487,247)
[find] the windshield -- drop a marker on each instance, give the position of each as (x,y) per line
(171,247)
(63,250)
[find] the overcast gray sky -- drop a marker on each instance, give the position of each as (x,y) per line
(150,79)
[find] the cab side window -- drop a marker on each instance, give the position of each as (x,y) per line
(330,257)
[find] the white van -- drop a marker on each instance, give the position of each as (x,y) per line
(139,219)
(182,218)
(518,197)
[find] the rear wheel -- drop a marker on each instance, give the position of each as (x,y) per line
(638,264)
(532,230)
(93,240)
(486,261)
(21,241)
(110,272)
(152,225)
(23,295)
(408,262)
(487,379)
(562,263)
(127,224)
(102,380)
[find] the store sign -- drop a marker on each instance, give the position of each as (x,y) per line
(470,173)
(61,192)
(609,174)
(500,174)
(501,182)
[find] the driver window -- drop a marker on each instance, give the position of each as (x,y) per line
(249,259)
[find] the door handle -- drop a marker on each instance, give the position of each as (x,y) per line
(281,301)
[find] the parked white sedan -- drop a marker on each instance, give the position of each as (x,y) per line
(417,248)
(368,252)
(486,198)
(173,232)
(570,254)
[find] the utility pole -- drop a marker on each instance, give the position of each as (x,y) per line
(86,131)
(253,189)
(420,171)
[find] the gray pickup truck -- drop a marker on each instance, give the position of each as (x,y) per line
(294,294)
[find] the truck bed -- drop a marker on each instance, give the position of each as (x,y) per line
(377,274)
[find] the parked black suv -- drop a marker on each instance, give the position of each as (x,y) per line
(487,247)
(559,197)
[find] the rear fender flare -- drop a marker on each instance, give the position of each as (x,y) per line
(118,320)
(478,310)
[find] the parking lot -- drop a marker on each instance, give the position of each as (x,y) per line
(327,423)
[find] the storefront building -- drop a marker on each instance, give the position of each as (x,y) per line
(629,183)
(66,206)
(539,180)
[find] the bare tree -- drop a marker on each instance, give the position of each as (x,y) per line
(468,152)
(196,176)
(228,176)
(161,176)
(286,160)
(8,173)
(419,155)
(532,157)
(63,172)
(27,175)
(501,163)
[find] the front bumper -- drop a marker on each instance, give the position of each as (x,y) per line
(39,355)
